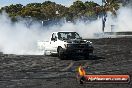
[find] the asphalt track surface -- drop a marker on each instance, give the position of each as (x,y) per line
(111,56)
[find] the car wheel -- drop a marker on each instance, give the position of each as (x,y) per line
(61,54)
(45,53)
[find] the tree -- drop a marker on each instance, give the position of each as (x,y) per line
(50,10)
(111,5)
(91,9)
(91,5)
(34,5)
(48,3)
(77,9)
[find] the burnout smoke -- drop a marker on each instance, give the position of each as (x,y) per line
(18,38)
(124,20)
(122,23)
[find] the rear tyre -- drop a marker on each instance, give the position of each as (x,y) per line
(44,52)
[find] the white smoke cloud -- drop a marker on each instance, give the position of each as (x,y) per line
(122,22)
(19,39)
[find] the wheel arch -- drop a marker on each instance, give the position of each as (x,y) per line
(58,48)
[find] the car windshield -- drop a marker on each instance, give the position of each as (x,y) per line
(68,35)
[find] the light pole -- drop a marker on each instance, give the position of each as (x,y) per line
(104,16)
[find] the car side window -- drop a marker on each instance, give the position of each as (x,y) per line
(53,37)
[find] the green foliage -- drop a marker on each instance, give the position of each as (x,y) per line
(50,10)
(91,5)
(91,8)
(77,8)
(13,10)
(111,5)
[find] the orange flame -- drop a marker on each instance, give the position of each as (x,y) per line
(81,71)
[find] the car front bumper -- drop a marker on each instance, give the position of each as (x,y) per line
(80,51)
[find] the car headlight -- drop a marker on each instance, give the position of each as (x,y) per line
(89,42)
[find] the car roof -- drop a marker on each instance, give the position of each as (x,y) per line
(63,31)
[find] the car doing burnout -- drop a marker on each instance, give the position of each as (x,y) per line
(66,44)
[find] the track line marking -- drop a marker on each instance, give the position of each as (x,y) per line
(68,67)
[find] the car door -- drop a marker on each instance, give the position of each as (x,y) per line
(53,43)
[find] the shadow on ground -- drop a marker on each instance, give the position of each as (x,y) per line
(91,57)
